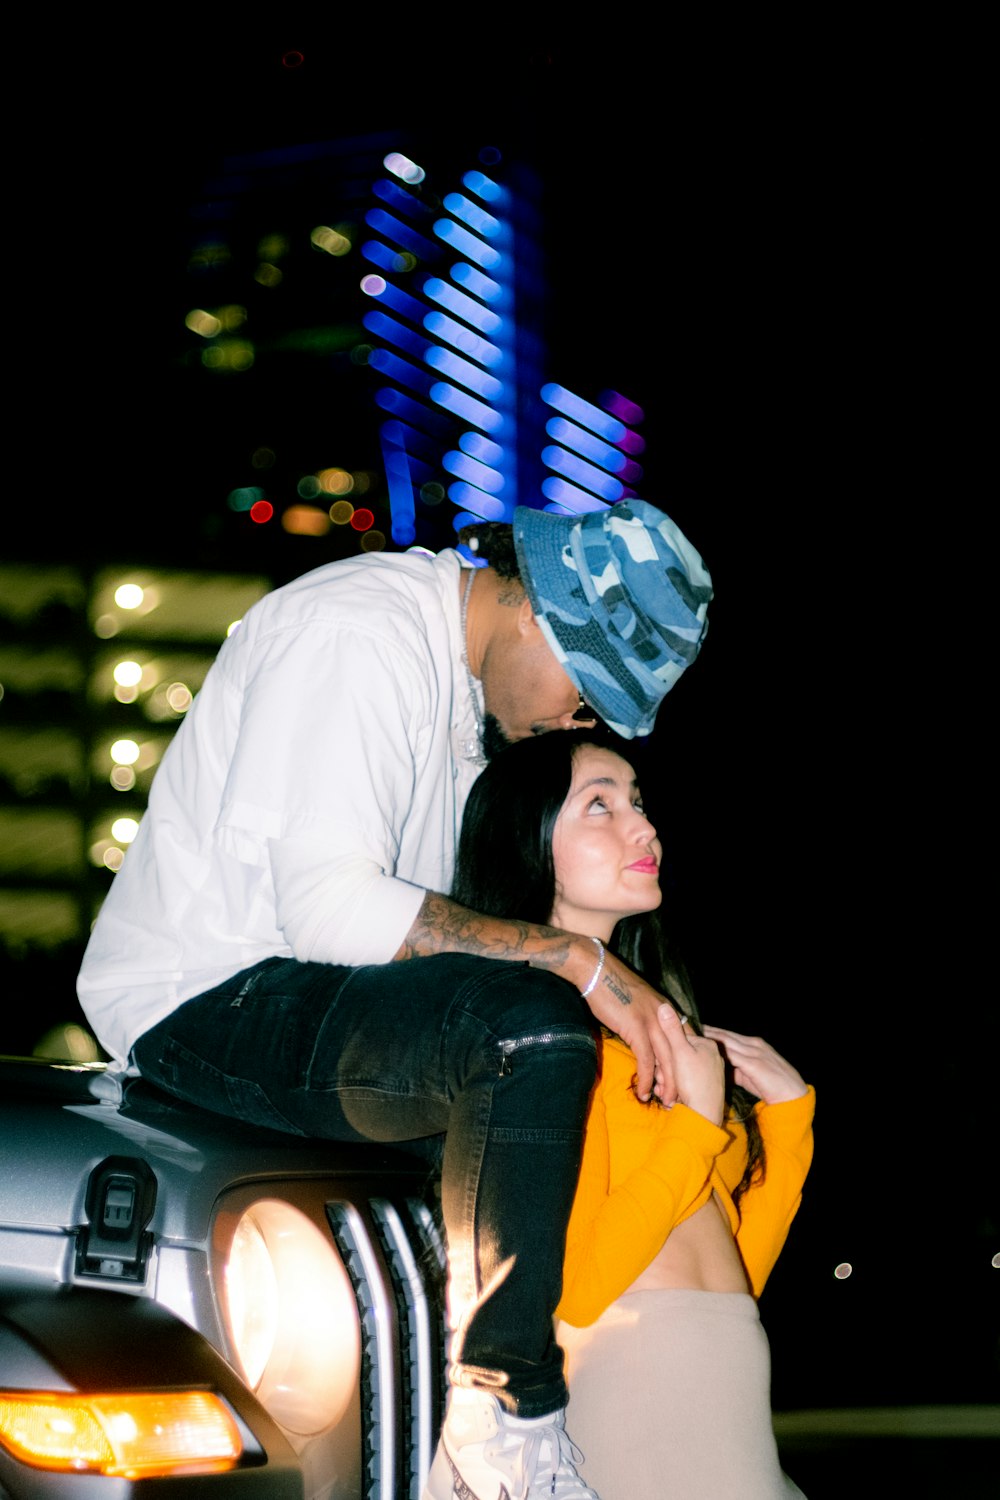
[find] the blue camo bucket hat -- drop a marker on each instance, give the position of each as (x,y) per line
(622,598)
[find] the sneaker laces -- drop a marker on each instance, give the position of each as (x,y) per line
(552,1475)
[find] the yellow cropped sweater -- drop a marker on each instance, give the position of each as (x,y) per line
(646,1169)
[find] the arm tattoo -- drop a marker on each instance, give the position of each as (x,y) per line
(441,926)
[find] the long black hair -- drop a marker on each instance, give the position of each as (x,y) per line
(505,868)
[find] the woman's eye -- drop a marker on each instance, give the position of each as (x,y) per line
(598,805)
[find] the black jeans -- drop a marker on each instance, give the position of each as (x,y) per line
(497,1057)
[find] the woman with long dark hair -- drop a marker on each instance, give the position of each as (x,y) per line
(681,1210)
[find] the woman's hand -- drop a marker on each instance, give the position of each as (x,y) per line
(757,1067)
(699,1067)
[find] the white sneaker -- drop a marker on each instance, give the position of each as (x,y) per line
(485,1454)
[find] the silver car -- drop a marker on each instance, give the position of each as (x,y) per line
(197,1307)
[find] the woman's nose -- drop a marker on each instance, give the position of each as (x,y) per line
(644,830)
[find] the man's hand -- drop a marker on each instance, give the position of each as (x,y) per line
(630,1007)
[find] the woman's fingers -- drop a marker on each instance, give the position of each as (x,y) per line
(672,1023)
(758,1067)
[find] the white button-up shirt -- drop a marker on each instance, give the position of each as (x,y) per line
(312,795)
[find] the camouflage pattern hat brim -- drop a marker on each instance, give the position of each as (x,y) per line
(622,598)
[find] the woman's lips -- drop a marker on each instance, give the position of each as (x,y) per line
(647,866)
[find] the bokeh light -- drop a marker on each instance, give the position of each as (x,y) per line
(179,695)
(204,323)
(402,167)
(335,481)
(124,752)
(305,520)
(331,240)
(127,673)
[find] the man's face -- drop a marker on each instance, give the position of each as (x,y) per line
(525,690)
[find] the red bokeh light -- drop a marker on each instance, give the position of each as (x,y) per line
(362,519)
(261,511)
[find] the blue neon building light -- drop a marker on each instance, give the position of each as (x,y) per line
(584,443)
(462,306)
(473,325)
(468,244)
(481,475)
(571,467)
(476,218)
(395,229)
(463,339)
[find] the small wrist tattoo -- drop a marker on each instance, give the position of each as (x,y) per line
(622,996)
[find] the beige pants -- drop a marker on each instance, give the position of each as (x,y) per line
(669,1399)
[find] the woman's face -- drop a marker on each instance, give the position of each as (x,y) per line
(605,850)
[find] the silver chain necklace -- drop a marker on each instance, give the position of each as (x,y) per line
(471,749)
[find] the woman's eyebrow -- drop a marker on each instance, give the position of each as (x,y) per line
(611,781)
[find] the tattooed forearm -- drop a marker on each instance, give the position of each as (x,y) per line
(441,926)
(621,995)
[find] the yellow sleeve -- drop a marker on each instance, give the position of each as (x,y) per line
(768,1208)
(643,1167)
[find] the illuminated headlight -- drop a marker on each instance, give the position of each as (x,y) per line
(292,1317)
(128,1434)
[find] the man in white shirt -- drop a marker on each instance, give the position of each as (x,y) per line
(279,945)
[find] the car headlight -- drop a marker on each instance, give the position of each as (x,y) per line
(292,1317)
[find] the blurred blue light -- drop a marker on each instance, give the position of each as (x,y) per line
(576,469)
(480,475)
(480,504)
(381,255)
(389,399)
(582,411)
(387,328)
(413,441)
(389,364)
(450,364)
(484,187)
(471,214)
(399,198)
(463,339)
(395,229)
(466,407)
(397,473)
(399,301)
(612,459)
(480,447)
(462,306)
(569,496)
(474,281)
(467,244)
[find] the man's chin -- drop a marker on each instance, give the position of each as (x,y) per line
(494,739)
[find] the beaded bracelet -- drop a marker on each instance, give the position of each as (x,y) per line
(591,987)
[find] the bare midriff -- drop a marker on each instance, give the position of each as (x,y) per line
(699,1255)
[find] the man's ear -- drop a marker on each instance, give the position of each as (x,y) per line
(526,621)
